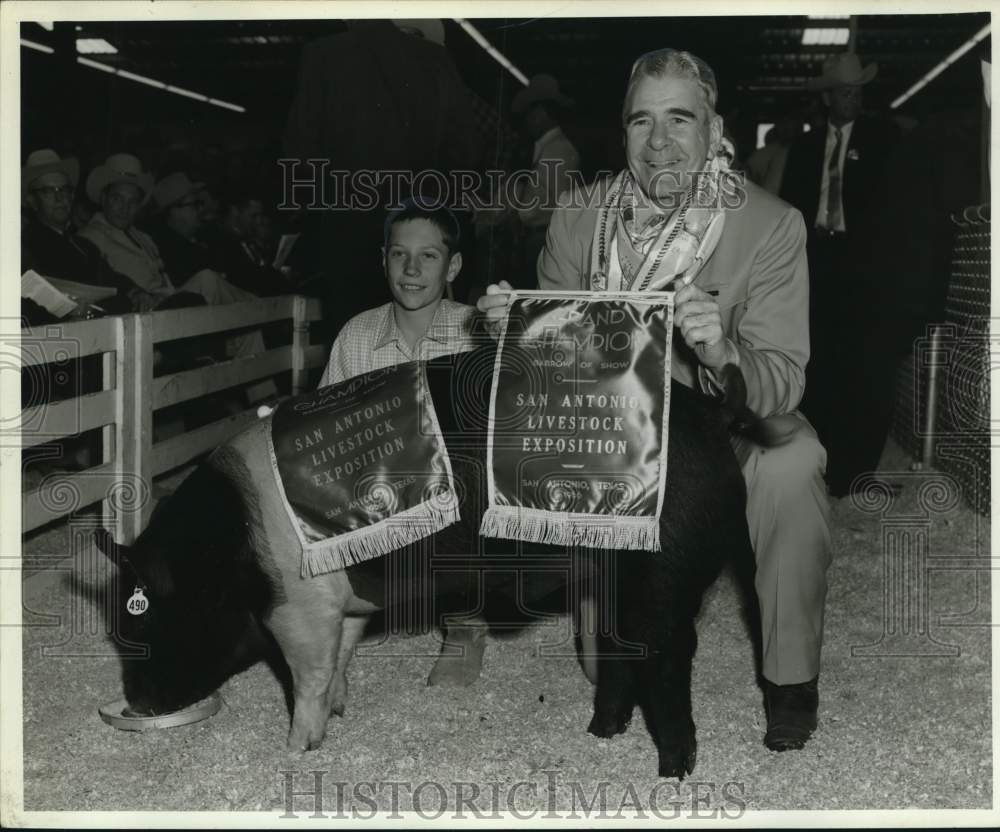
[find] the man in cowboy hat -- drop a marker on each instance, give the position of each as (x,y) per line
(49,243)
(741,299)
(120,186)
(555,162)
(179,207)
(833,177)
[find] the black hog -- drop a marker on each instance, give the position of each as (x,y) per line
(219,561)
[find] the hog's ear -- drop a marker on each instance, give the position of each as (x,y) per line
(153,572)
(105,541)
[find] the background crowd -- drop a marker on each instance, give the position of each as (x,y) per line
(168,223)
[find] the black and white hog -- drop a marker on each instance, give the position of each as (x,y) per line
(219,560)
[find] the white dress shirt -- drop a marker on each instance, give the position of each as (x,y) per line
(824,188)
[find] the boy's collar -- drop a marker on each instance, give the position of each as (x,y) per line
(390,332)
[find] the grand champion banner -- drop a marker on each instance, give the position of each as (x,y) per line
(578,419)
(362,467)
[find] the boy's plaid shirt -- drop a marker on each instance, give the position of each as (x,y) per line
(371,340)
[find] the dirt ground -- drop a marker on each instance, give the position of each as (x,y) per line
(905,709)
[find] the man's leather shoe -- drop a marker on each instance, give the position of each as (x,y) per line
(791,714)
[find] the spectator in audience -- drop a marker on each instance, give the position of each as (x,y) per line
(179,206)
(555,164)
(835,177)
(238,251)
(120,187)
(49,243)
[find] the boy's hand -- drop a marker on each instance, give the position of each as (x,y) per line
(696,315)
(494,303)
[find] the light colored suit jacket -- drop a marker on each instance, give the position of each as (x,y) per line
(135,256)
(759,271)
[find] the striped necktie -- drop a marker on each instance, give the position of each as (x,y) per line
(833,208)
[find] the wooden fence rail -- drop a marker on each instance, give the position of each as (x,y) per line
(123,409)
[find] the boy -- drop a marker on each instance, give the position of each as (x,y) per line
(420,260)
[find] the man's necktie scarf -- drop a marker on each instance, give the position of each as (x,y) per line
(579,408)
(668,246)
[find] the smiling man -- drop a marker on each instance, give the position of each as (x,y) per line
(736,257)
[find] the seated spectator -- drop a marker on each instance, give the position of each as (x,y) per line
(120,187)
(49,244)
(178,230)
(239,253)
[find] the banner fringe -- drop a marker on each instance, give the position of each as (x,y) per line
(380,539)
(561,529)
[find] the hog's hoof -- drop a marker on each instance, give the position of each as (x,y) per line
(461,659)
(609,725)
(297,746)
(302,738)
(678,763)
(338,695)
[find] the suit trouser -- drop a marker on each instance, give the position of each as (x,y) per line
(789,519)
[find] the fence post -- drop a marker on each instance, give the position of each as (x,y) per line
(300,342)
(930,415)
(134,425)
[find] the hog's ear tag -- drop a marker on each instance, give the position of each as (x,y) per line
(138,603)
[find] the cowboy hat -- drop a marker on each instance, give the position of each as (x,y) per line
(173,189)
(41,162)
(842,69)
(119,167)
(540,88)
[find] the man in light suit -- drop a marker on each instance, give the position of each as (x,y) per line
(745,302)
(833,177)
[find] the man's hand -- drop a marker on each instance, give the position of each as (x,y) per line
(696,315)
(494,303)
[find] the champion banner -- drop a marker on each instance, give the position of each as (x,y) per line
(362,467)
(579,411)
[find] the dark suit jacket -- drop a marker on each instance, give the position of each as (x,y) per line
(871,141)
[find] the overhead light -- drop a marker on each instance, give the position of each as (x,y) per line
(826,36)
(197,96)
(493,52)
(226,105)
(94,46)
(41,47)
(96,65)
(160,85)
(45,24)
(140,79)
(941,67)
